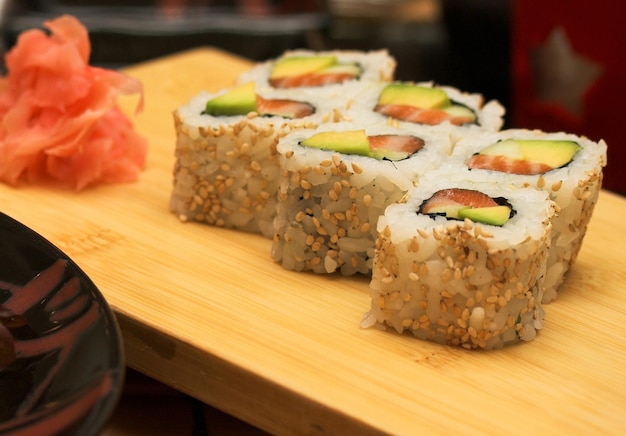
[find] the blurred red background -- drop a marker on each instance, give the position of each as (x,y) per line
(569,73)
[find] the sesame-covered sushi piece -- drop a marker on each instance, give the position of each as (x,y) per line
(462,263)
(227,171)
(428,104)
(335,183)
(337,71)
(568,167)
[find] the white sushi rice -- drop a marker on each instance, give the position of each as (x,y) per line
(329,203)
(574,188)
(458,282)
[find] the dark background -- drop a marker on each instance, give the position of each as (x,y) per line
(453,42)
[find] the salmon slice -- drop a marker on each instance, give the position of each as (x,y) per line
(402,143)
(310,80)
(454,197)
(417,115)
(284,108)
(506,165)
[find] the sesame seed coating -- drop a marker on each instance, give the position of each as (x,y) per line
(322,199)
(227,173)
(454,282)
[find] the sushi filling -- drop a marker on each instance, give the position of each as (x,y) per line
(357,142)
(243,100)
(524,157)
(431,117)
(422,105)
(312,71)
(461,204)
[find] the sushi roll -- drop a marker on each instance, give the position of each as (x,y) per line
(226,172)
(427,104)
(335,182)
(462,263)
(567,166)
(307,70)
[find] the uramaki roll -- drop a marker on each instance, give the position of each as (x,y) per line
(329,202)
(227,171)
(430,105)
(568,167)
(312,70)
(457,281)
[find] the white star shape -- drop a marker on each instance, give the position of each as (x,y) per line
(561,75)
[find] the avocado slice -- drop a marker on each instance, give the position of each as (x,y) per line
(448,210)
(460,111)
(298,65)
(348,69)
(413,95)
(238,101)
(553,153)
(493,215)
(394,155)
(346,142)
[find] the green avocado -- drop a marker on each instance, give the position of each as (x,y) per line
(346,142)
(461,111)
(449,210)
(413,95)
(554,153)
(493,215)
(238,101)
(350,69)
(394,155)
(298,65)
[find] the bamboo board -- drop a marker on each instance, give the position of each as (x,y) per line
(206,311)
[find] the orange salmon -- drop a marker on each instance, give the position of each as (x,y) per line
(406,143)
(284,108)
(457,197)
(506,164)
(310,80)
(421,116)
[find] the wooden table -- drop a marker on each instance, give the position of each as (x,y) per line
(206,311)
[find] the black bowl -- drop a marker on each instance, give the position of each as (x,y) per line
(61,356)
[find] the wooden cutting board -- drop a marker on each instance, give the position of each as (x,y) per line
(206,311)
